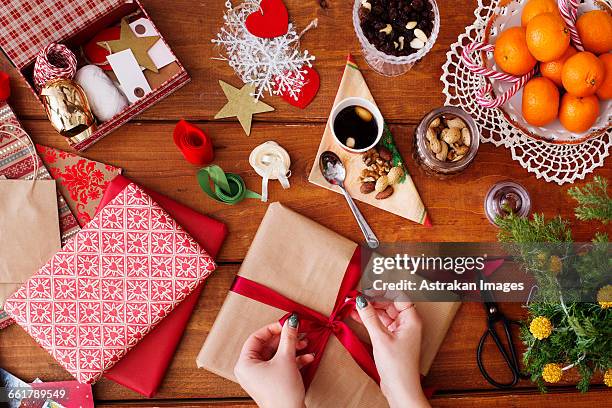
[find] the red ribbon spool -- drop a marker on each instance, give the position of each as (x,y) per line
(196,147)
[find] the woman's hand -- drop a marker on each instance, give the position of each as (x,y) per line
(268,368)
(395,332)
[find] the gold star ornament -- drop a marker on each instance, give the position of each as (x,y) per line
(139,45)
(241,104)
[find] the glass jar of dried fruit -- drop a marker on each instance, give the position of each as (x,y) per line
(446,141)
(394,34)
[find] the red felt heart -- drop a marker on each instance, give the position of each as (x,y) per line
(308,91)
(271,20)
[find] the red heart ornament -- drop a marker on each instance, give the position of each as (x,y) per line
(271,20)
(308,91)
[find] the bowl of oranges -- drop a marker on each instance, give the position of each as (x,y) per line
(569,99)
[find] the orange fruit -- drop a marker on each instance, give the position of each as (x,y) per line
(547,37)
(535,8)
(582,74)
(511,53)
(540,101)
(552,69)
(577,114)
(595,31)
(605,90)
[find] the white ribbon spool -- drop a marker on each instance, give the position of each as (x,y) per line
(271,162)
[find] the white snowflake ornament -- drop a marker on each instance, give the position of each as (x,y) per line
(272,65)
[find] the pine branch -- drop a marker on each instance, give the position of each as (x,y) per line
(594,203)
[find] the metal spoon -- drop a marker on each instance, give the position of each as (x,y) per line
(334,172)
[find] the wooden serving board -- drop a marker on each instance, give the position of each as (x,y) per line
(405,200)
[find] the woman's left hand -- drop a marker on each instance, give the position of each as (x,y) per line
(268,368)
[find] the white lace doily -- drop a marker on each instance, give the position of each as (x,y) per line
(559,163)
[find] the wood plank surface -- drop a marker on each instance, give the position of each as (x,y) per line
(145,150)
(188,26)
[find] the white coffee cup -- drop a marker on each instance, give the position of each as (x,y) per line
(364,103)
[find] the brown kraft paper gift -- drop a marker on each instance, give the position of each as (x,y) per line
(306,262)
(29,230)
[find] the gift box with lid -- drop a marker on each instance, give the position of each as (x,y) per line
(128,65)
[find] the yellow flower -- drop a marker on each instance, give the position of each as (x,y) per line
(555,264)
(552,373)
(541,327)
(541,259)
(604,297)
(608,377)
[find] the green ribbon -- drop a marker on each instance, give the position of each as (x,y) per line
(229,188)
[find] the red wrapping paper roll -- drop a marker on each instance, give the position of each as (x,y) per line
(196,147)
(5,86)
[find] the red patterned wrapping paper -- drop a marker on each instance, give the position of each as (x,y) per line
(81,181)
(108,287)
(16,163)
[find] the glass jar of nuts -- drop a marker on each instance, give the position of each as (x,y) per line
(446,141)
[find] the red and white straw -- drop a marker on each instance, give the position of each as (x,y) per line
(483,97)
(53,62)
(569,12)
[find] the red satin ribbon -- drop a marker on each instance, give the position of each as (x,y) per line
(5,86)
(196,147)
(317,327)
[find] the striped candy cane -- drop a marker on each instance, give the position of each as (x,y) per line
(483,97)
(569,12)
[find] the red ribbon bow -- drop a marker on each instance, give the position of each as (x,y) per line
(317,327)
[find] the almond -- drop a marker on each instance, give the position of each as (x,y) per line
(367,187)
(386,193)
(384,153)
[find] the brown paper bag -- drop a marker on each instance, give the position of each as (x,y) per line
(29,226)
(306,262)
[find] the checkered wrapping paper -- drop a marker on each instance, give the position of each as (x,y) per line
(108,287)
(27,26)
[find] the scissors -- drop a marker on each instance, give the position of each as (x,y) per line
(496,318)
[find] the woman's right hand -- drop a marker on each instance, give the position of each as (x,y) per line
(395,332)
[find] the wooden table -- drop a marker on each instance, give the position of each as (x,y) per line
(144,149)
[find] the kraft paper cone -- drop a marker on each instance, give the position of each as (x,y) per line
(306,262)
(405,201)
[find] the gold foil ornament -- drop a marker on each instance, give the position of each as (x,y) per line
(68,110)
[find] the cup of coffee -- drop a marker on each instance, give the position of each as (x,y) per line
(357,124)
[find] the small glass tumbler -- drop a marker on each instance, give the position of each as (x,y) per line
(427,159)
(391,65)
(506,197)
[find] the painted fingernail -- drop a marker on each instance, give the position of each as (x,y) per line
(361,301)
(293,321)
